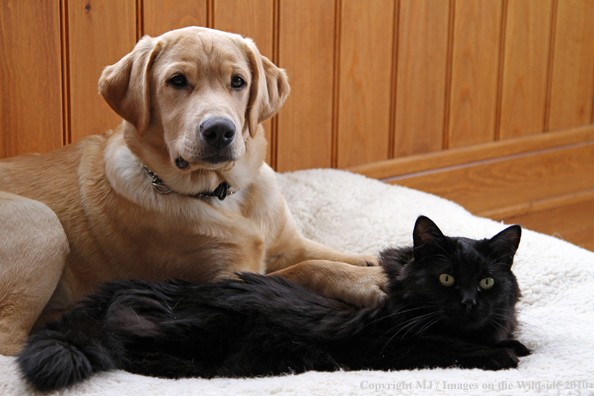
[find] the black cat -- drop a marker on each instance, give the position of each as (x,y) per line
(451,303)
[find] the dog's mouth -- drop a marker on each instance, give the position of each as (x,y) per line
(217,159)
(181,163)
(211,161)
(191,157)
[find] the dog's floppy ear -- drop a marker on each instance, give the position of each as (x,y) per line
(269,90)
(125,85)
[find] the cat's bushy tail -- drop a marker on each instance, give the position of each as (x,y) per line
(56,358)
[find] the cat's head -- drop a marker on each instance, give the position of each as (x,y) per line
(461,284)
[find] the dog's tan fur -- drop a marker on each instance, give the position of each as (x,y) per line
(113,224)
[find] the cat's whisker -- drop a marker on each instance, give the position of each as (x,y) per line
(402,312)
(410,322)
(428,326)
(430,321)
(414,322)
(532,324)
(496,324)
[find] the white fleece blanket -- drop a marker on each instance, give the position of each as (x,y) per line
(359,215)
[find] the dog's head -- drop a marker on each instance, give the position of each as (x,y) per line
(193,99)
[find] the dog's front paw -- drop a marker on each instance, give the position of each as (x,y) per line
(364,260)
(371,296)
(367,288)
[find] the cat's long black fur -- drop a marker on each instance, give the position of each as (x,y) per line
(266,325)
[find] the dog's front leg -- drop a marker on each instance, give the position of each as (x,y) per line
(360,286)
(353,278)
(311,250)
(293,249)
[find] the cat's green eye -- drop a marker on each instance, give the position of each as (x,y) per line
(446,280)
(487,283)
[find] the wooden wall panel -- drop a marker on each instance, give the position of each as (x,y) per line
(100,32)
(415,164)
(366,43)
(254,19)
(160,16)
(250,18)
(306,51)
(421,76)
(525,67)
(30,77)
(509,181)
(566,219)
(475,61)
(571,82)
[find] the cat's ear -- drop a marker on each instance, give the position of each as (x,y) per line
(426,231)
(505,244)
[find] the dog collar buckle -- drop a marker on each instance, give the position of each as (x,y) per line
(162,188)
(157,183)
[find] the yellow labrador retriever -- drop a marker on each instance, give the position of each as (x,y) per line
(179,190)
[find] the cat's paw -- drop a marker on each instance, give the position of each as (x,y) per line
(500,359)
(487,358)
(518,348)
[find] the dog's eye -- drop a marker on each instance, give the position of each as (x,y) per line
(237,82)
(178,81)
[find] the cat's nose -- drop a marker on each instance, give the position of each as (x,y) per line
(469,299)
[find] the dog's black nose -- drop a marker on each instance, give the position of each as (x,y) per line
(218,132)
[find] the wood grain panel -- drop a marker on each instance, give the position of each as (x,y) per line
(160,16)
(250,18)
(512,180)
(475,61)
(421,76)
(571,80)
(100,33)
(525,67)
(30,77)
(463,155)
(366,41)
(306,51)
(254,19)
(568,217)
